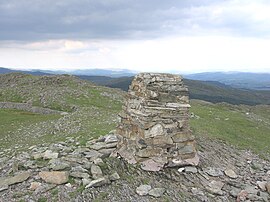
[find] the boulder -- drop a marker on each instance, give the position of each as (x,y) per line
(54,177)
(6,181)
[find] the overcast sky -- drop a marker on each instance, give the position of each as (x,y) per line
(144,35)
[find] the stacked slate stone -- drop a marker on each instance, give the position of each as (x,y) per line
(154,126)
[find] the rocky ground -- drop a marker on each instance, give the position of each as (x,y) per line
(67,171)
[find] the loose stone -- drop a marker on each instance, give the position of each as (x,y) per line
(4,182)
(156,192)
(214,172)
(215,187)
(34,185)
(98,182)
(230,173)
(114,176)
(143,190)
(48,154)
(96,171)
(191,169)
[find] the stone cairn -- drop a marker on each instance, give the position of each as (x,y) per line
(154,127)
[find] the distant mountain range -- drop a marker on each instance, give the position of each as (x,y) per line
(244,80)
(33,72)
(241,80)
(89,72)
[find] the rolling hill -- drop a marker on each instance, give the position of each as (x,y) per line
(211,91)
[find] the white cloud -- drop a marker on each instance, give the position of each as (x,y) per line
(183,54)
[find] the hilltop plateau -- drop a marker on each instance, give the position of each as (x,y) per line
(75,142)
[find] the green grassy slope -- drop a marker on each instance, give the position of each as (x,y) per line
(13,120)
(61,92)
(92,109)
(247,127)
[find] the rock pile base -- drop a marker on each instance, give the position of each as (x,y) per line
(154,123)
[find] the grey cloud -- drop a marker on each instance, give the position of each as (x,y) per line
(29,20)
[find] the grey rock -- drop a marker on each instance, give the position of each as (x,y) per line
(96,171)
(111,138)
(34,185)
(230,173)
(262,185)
(191,169)
(86,181)
(54,177)
(256,166)
(81,150)
(79,175)
(215,187)
(157,130)
(151,165)
(181,170)
(186,162)
(264,196)
(98,146)
(98,182)
(87,165)
(15,166)
(43,188)
(156,192)
(37,156)
(68,185)
(114,176)
(92,154)
(3,187)
(6,181)
(143,190)
(106,152)
(98,161)
(102,145)
(234,192)
(214,172)
(199,194)
(56,164)
(267,186)
(48,154)
(251,189)
(79,169)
